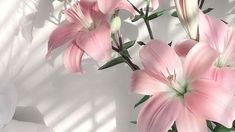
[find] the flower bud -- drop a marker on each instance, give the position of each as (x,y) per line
(115,23)
(188,13)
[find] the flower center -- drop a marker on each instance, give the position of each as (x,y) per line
(220,61)
(77,14)
(180,87)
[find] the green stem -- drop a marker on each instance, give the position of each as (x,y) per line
(133,66)
(149,28)
(119,51)
(199,1)
(146,21)
(135,8)
(120,40)
(201,4)
(147,10)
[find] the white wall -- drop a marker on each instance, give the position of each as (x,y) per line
(96,101)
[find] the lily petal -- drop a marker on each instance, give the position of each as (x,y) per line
(125,5)
(108,6)
(225,76)
(61,35)
(143,83)
(184,47)
(157,57)
(213,31)
(159,113)
(199,59)
(155,4)
(229,52)
(189,122)
(212,101)
(73,57)
(96,43)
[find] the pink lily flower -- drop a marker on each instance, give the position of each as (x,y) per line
(86,30)
(109,6)
(188,11)
(179,94)
(221,38)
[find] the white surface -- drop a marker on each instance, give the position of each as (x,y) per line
(97,101)
(19,126)
(8,100)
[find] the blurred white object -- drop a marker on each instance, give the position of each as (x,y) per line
(16,25)
(7,103)
(19,126)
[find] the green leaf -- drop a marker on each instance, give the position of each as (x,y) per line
(220,128)
(208,10)
(140,43)
(224,22)
(172,130)
(113,62)
(170,44)
(129,44)
(114,38)
(137,17)
(133,122)
(125,53)
(209,125)
(174,14)
(155,15)
(142,100)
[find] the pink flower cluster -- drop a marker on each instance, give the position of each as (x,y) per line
(87,30)
(188,84)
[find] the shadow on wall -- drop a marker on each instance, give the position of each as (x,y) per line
(222,9)
(70,102)
(33,114)
(45,9)
(96,101)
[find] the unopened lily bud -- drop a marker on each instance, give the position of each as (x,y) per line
(188,13)
(115,23)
